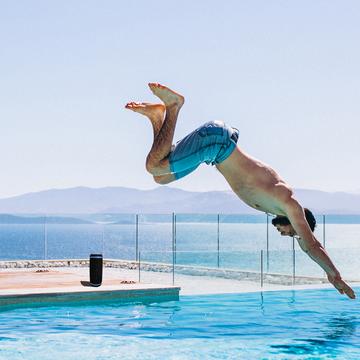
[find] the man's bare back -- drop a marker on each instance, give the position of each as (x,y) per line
(257,184)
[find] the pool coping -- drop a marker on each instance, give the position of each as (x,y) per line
(145,294)
(189,283)
(29,286)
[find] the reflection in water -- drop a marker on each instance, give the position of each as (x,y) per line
(332,338)
(262,308)
(340,327)
(292,299)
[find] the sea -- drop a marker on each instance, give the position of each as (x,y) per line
(242,242)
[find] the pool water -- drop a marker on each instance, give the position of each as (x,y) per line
(311,324)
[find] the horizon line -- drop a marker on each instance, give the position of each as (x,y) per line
(352,192)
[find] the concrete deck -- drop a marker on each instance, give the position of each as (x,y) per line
(31,286)
(64,284)
(25,282)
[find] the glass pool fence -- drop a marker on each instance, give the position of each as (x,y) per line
(199,244)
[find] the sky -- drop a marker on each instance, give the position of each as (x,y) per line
(285,73)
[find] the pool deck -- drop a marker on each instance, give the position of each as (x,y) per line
(67,284)
(25,286)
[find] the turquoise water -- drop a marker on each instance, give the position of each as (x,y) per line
(272,325)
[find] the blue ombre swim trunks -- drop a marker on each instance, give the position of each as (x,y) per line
(211,143)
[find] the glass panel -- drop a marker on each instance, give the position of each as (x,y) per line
(155,236)
(119,233)
(156,267)
(225,241)
(347,262)
(73,241)
(21,241)
(305,266)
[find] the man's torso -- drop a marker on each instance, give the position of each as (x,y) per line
(256,183)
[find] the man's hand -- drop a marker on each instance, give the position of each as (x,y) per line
(341,286)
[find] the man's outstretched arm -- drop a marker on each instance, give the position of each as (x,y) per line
(311,246)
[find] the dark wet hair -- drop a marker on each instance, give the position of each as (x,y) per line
(283,220)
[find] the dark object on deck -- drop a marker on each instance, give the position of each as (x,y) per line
(96,269)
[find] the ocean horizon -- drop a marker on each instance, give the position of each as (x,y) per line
(235,242)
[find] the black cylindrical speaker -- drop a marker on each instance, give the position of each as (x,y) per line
(96,269)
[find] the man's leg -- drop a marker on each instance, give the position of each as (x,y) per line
(157,162)
(155,113)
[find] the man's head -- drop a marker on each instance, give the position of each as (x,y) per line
(285,228)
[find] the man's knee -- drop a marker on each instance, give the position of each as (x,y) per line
(152,165)
(164,179)
(149,168)
(149,165)
(157,168)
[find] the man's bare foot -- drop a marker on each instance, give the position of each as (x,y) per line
(168,96)
(155,112)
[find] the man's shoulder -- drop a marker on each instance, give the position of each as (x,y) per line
(284,191)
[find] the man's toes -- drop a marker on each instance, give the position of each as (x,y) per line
(133,105)
(154,86)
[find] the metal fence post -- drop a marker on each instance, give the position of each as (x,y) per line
(262,268)
(173,248)
(102,240)
(324,239)
(136,236)
(267,242)
(218,240)
(293,243)
(45,237)
(139,264)
(175,238)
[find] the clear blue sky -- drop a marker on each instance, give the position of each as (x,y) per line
(286,73)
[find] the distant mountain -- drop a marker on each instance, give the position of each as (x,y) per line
(12,219)
(329,202)
(111,200)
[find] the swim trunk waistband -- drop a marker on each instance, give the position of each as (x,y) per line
(211,143)
(235,135)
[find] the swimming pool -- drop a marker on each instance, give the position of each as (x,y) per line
(311,324)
